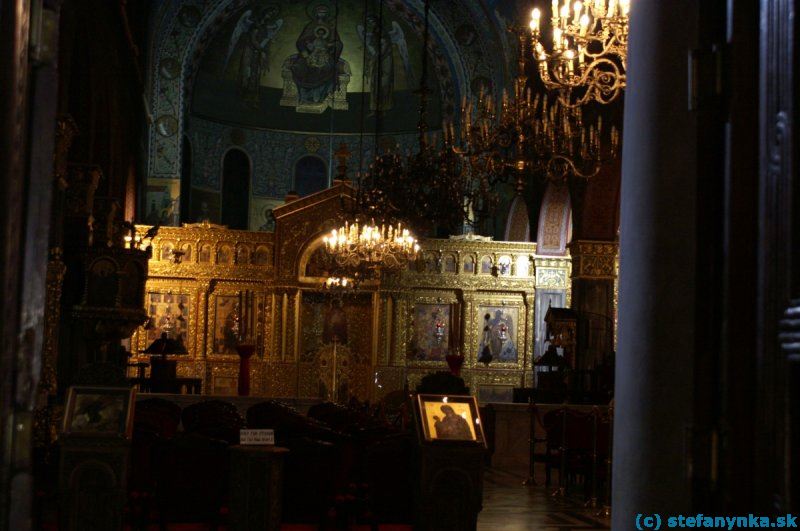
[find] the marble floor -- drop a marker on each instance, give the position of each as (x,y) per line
(509,506)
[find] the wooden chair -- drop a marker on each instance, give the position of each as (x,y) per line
(390,479)
(191,473)
(215,419)
(317,465)
(569,446)
(158,416)
(288,423)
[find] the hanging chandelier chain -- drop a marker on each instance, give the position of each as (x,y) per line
(422,125)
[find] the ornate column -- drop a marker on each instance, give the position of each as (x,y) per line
(48,385)
(594,276)
(204,288)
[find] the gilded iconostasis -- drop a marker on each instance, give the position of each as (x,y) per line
(250,101)
(475,297)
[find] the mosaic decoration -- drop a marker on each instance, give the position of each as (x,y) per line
(275,153)
(555,221)
(463,54)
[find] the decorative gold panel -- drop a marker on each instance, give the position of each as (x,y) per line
(217,263)
(592,259)
(163,297)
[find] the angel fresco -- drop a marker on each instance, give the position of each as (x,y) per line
(254,32)
(379,66)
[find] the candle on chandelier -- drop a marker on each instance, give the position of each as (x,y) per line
(535,16)
(599,8)
(576,13)
(570,55)
(564,15)
(584,24)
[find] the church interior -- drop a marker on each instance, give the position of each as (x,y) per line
(398,264)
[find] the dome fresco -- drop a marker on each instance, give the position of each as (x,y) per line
(288,81)
(283,65)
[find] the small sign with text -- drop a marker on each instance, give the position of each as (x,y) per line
(257,437)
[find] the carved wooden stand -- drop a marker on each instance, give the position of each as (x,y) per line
(92,482)
(256,487)
(450,492)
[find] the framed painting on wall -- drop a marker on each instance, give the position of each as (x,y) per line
(224,341)
(169,312)
(498,339)
(431,330)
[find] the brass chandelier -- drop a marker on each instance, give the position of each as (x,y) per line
(357,245)
(587,56)
(565,145)
(432,189)
(361,248)
(529,135)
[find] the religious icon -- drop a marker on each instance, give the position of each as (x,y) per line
(430,341)
(451,426)
(497,336)
(254,32)
(269,221)
(316,68)
(466,35)
(380,47)
(438,328)
(449,419)
(226,329)
(99,411)
(169,312)
(334,329)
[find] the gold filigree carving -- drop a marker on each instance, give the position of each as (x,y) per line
(271,265)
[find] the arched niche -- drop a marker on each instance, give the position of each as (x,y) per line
(310,175)
(310,265)
(518,224)
(555,221)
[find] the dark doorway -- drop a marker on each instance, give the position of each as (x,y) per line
(186,180)
(310,175)
(235,189)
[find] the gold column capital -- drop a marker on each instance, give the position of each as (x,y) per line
(594,259)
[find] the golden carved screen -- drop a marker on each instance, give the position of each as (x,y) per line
(466,276)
